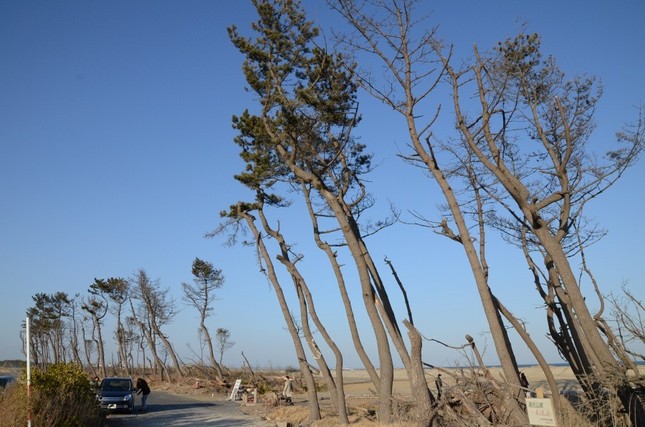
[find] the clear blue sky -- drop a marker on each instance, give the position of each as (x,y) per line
(116,154)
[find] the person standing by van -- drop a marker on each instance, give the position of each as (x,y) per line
(143,389)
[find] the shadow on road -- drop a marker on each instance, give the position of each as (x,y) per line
(171,410)
(178,406)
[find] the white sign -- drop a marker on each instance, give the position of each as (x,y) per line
(540,412)
(236,387)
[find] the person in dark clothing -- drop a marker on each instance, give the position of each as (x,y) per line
(525,384)
(143,389)
(523,381)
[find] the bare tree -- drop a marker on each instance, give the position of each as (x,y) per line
(308,311)
(223,337)
(386,30)
(156,309)
(529,133)
(88,345)
(74,330)
(201,296)
(243,212)
(627,317)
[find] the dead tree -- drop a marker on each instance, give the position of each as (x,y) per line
(529,134)
(412,72)
(155,309)
(201,296)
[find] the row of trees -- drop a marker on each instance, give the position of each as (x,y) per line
(66,328)
(518,163)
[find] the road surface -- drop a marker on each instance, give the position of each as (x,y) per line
(166,409)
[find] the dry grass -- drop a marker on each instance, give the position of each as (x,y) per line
(361,414)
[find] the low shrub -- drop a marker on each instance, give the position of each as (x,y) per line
(60,396)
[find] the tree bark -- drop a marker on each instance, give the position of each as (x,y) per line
(418,383)
(312,401)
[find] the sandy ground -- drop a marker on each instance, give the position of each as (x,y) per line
(360,392)
(357,382)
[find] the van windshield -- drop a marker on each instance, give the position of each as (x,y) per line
(117,385)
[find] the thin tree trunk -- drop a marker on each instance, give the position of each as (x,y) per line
(347,304)
(150,339)
(99,345)
(550,379)
(88,353)
(209,344)
(386,366)
(307,308)
(122,350)
(171,351)
(314,408)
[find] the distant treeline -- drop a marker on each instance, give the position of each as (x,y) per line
(12,363)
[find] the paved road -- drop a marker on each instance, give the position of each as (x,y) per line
(165,409)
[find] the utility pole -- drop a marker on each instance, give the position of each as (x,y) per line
(28,341)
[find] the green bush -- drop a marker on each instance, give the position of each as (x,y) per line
(60,396)
(62,377)
(264,388)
